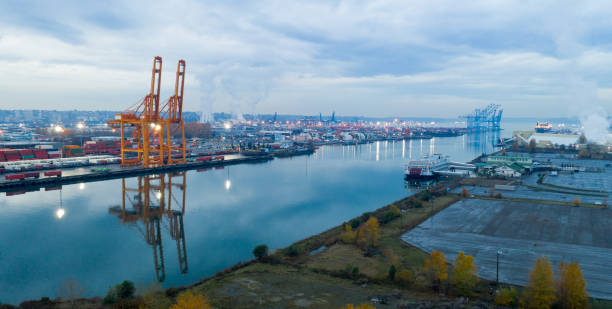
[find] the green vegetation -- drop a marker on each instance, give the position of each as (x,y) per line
(123,291)
(260,251)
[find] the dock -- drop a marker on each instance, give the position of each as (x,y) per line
(118,172)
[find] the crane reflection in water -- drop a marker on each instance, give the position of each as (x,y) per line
(156,197)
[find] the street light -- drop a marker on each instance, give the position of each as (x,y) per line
(228,183)
(499,252)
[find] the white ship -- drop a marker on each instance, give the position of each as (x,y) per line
(425,168)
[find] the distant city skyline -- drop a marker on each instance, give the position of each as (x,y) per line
(376,59)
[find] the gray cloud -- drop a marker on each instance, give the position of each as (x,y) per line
(376,58)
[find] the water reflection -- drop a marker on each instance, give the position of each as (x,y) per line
(145,206)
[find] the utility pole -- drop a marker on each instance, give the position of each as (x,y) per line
(499,252)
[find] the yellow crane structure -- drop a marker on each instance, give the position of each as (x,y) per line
(151,128)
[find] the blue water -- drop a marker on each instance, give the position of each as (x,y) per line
(226,213)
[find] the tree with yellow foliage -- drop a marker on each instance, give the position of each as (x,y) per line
(362,306)
(576,202)
(571,287)
(464,273)
(540,292)
(437,268)
(348,236)
(189,300)
(368,235)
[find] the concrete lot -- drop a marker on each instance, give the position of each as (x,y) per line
(526,193)
(588,181)
(523,231)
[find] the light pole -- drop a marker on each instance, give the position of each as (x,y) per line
(499,252)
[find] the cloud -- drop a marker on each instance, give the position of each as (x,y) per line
(380,58)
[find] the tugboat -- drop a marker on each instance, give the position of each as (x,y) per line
(425,168)
(543,127)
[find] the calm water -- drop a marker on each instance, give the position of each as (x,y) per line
(226,213)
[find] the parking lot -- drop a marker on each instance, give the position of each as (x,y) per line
(522,231)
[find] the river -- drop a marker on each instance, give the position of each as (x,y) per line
(82,233)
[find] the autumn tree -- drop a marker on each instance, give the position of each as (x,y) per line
(465,193)
(464,273)
(348,236)
(369,233)
(571,287)
(437,268)
(189,300)
(576,202)
(540,292)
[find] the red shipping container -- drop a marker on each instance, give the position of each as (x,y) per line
(14,176)
(200,159)
(13,158)
(53,173)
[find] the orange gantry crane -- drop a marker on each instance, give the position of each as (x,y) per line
(156,197)
(147,144)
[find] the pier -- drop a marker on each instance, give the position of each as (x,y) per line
(116,172)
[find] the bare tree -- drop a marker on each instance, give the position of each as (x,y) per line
(71,290)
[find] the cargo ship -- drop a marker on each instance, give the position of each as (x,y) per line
(425,168)
(543,127)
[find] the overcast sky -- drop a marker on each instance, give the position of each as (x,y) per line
(374,58)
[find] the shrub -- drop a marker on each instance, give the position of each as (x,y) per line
(355,223)
(293,250)
(426,195)
(260,251)
(391,273)
(506,297)
(348,236)
(418,204)
(498,195)
(404,277)
(189,300)
(126,289)
(391,214)
(355,272)
(465,193)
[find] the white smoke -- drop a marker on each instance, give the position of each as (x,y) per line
(581,94)
(234,88)
(595,125)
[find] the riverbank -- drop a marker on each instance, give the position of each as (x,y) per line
(323,271)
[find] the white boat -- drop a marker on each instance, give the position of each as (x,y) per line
(424,168)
